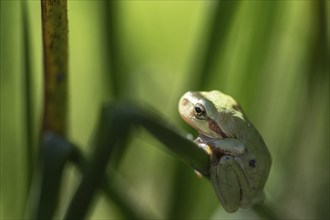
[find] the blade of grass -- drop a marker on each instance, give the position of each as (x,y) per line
(28,101)
(112,53)
(253,57)
(55,46)
(114,191)
(110,132)
(55,152)
(115,73)
(114,126)
(185,149)
(316,75)
(212,45)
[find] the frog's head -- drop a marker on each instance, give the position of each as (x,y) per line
(200,112)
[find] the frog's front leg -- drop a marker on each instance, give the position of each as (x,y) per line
(227,146)
(229,182)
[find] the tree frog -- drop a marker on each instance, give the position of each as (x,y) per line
(239,159)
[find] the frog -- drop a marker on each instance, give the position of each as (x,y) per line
(239,160)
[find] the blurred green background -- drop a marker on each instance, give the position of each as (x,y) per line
(272,56)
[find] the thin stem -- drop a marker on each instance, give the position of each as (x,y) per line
(55,44)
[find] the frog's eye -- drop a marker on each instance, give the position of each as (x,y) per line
(200,111)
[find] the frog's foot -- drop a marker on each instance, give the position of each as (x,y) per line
(204,146)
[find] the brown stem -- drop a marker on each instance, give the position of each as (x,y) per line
(55,45)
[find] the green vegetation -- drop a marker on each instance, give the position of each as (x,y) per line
(272,56)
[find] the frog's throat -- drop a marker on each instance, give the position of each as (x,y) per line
(216,128)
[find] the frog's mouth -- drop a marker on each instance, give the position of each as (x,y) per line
(216,128)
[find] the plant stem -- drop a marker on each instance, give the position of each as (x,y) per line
(55,44)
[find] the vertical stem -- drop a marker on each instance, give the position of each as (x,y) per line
(28,100)
(215,41)
(55,44)
(117,69)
